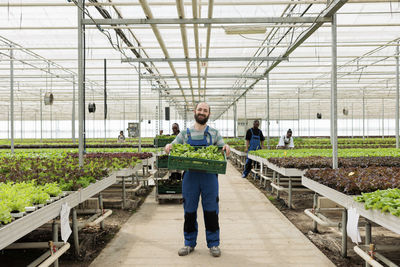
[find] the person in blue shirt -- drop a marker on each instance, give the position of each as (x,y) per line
(254,141)
(195,184)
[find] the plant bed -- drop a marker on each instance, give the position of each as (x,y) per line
(343,153)
(354,181)
(384,200)
(303,163)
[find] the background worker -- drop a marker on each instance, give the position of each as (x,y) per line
(121,137)
(195,184)
(175,129)
(286,141)
(254,141)
(175,175)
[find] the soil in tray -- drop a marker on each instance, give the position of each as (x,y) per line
(328,240)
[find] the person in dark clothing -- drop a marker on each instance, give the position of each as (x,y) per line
(175,129)
(254,141)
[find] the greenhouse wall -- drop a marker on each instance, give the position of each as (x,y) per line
(95,128)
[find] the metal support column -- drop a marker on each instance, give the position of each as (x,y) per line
(298,111)
(367,236)
(245,109)
(73,109)
(41,116)
(334,95)
(8,122)
(185,118)
(397,95)
(268,103)
(105,101)
(75,230)
(309,119)
(20,116)
(363,114)
(279,117)
(140,110)
(383,118)
(12,97)
(123,117)
(352,120)
(101,209)
(51,122)
(290,193)
(81,103)
(159,112)
(55,238)
(315,203)
(344,233)
(234,120)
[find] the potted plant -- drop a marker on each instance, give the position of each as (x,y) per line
(39,198)
(5,216)
(17,206)
(53,190)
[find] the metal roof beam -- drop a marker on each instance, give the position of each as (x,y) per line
(217,76)
(327,13)
(207,21)
(204,59)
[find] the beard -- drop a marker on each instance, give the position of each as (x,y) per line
(201,120)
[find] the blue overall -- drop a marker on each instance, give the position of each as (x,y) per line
(195,184)
(254,145)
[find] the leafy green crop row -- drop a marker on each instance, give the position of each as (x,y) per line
(65,141)
(209,152)
(301,153)
(15,197)
(323,142)
(384,200)
(326,162)
(64,168)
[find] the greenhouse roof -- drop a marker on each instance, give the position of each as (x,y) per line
(228,56)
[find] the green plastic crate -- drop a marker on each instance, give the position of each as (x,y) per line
(162,142)
(170,189)
(198,165)
(162,162)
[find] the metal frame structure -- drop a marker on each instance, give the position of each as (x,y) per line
(299,51)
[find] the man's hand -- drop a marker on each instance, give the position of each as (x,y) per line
(227,150)
(167,148)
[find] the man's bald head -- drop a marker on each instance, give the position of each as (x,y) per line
(203,105)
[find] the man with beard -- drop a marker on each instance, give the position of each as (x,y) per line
(195,184)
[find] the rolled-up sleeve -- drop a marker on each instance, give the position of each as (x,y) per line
(219,140)
(179,139)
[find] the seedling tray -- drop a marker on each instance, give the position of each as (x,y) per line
(198,165)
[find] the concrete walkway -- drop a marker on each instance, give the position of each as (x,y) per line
(253,233)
